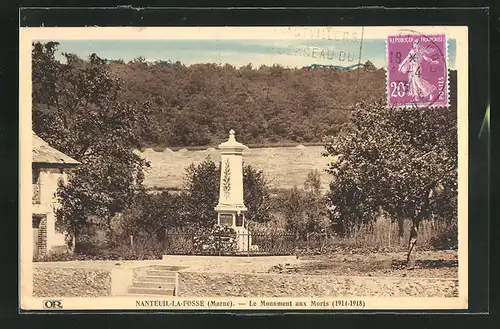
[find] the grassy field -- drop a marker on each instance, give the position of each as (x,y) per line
(283,166)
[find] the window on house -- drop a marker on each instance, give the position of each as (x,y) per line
(35,221)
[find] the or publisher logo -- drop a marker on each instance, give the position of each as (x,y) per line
(52,304)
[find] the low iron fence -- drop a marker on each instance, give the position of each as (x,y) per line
(255,244)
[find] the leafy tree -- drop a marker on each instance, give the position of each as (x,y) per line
(202,193)
(153,213)
(369,65)
(194,105)
(256,195)
(77,109)
(402,160)
(305,211)
(293,211)
(312,183)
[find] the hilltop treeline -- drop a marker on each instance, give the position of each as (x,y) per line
(180,106)
(199,104)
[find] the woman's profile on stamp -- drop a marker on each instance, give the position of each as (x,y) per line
(419,88)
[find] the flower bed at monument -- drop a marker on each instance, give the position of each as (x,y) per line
(71,282)
(219,239)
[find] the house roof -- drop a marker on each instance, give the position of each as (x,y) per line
(44,154)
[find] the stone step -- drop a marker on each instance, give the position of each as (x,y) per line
(160,273)
(156,285)
(150,291)
(167,267)
(153,278)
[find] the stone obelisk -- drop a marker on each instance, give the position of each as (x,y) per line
(231,208)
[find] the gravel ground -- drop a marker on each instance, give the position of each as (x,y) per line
(429,264)
(336,274)
(71,282)
(262,285)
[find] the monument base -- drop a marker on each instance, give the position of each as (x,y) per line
(235,219)
(243,239)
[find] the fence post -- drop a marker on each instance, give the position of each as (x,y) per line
(390,229)
(131,240)
(165,242)
(218,242)
(248,243)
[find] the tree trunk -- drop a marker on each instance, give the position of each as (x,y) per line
(401,230)
(424,213)
(70,240)
(109,232)
(412,244)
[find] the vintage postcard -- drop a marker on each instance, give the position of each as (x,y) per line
(244,168)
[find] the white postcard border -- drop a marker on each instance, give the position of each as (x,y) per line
(27,35)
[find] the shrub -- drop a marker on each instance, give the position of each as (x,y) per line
(56,256)
(219,239)
(447,238)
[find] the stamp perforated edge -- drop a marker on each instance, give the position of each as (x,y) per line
(414,105)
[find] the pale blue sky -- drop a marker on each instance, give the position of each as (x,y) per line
(289,53)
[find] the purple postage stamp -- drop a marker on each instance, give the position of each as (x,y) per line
(417,71)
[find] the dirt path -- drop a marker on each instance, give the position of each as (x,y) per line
(339,274)
(336,274)
(429,264)
(266,285)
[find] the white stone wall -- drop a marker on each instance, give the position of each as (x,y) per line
(49,182)
(244,239)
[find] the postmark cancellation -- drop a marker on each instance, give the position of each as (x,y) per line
(417,70)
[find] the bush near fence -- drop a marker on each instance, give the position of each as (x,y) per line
(384,233)
(220,239)
(223,241)
(381,235)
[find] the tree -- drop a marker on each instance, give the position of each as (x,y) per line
(312,183)
(193,105)
(293,211)
(77,109)
(153,213)
(201,184)
(403,160)
(369,65)
(315,210)
(202,193)
(305,211)
(256,195)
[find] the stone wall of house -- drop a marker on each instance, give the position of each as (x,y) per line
(42,236)
(48,181)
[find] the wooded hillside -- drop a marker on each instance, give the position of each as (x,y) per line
(198,104)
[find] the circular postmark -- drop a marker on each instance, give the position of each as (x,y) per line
(417,72)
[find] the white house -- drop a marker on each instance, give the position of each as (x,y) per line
(49,166)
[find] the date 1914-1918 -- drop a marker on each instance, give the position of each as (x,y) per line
(338,303)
